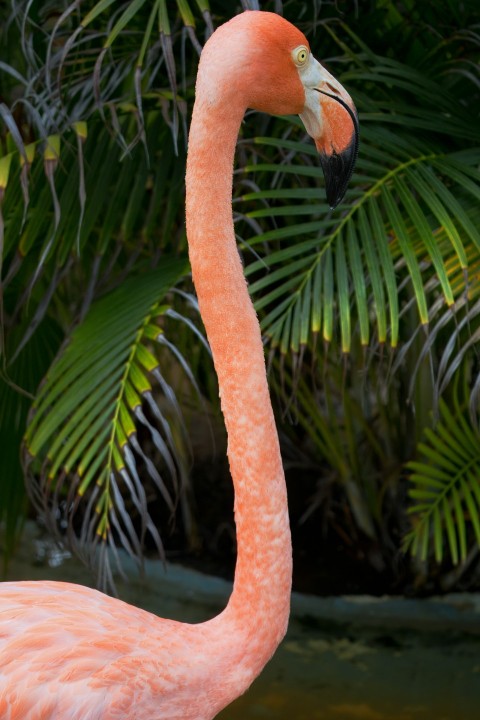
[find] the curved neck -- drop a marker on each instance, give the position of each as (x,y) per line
(260,602)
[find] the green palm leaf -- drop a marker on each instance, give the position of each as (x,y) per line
(82,446)
(384,235)
(346,441)
(445,489)
(97,208)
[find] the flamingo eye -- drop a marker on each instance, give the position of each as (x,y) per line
(300,55)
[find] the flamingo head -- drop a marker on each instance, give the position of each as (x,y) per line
(261,61)
(292,81)
(265,62)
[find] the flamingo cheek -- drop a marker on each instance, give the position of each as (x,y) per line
(338,129)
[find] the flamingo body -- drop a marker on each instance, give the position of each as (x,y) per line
(71,653)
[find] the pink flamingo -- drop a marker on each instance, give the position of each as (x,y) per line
(69,652)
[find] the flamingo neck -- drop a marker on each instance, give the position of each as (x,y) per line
(260,602)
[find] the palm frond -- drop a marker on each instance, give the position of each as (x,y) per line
(106,54)
(342,437)
(365,250)
(445,489)
(83,446)
(80,215)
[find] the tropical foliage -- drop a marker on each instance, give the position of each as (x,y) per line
(370,312)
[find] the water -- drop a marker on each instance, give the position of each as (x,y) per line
(352,674)
(342,659)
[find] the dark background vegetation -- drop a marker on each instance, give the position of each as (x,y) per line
(108,401)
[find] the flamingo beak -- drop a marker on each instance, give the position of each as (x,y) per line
(330,118)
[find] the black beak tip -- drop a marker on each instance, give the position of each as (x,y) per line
(337,169)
